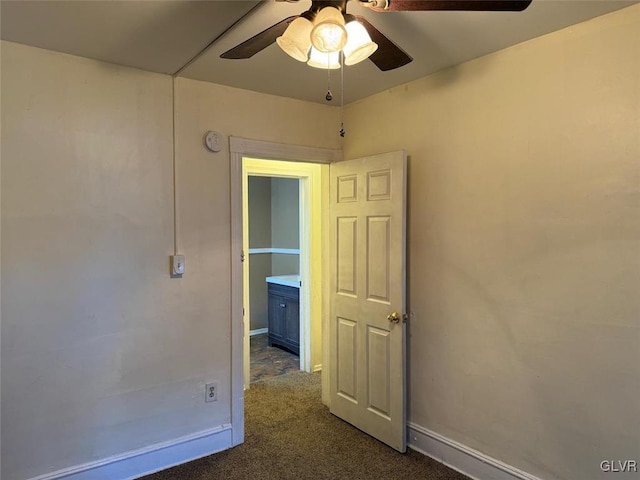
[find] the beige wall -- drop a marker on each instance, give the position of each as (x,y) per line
(285,211)
(285,224)
(524,246)
(259,198)
(102,352)
(259,269)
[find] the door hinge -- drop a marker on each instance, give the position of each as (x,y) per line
(242,256)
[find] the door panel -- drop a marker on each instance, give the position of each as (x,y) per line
(367,283)
(379,185)
(347,361)
(378,258)
(378,361)
(347,188)
(347,245)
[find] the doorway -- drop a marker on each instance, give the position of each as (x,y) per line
(307,260)
(241,149)
(374,345)
(273,262)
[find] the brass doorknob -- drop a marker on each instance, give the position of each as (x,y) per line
(393,317)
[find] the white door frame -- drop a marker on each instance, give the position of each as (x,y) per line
(240,148)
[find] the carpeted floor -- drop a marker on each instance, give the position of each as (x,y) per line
(267,362)
(291,435)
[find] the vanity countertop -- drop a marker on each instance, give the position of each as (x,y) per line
(286,280)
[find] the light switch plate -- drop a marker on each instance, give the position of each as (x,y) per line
(177,265)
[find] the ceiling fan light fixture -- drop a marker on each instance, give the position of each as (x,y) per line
(359,44)
(325,60)
(329,35)
(296,39)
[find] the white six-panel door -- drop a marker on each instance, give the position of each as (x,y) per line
(367,350)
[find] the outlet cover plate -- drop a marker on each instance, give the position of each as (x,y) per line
(211,392)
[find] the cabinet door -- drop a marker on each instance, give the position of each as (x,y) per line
(292,323)
(277,305)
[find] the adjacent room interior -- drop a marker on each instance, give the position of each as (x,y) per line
(274,275)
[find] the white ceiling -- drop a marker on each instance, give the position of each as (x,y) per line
(163,36)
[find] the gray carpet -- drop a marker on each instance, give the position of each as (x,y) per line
(291,435)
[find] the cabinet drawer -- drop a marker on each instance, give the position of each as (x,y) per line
(284,291)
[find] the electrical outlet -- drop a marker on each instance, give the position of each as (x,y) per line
(211,392)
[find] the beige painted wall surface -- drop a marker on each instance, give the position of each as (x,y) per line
(285,224)
(259,237)
(285,264)
(92,327)
(524,246)
(259,212)
(102,352)
(259,270)
(285,211)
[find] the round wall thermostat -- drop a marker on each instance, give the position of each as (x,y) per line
(213,141)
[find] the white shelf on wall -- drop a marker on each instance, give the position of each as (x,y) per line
(286,251)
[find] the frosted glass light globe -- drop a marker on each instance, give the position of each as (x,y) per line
(359,46)
(329,34)
(324,60)
(296,39)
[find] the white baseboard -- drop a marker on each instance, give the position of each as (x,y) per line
(258,331)
(147,460)
(464,459)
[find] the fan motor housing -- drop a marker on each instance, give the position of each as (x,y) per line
(317,5)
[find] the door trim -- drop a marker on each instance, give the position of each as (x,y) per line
(239,148)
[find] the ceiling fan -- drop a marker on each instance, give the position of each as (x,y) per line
(303,38)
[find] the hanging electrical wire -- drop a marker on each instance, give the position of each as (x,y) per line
(342,132)
(329,96)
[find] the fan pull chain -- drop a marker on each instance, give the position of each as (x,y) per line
(342,132)
(329,96)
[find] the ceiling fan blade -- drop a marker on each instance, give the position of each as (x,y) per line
(262,40)
(388,55)
(466,5)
